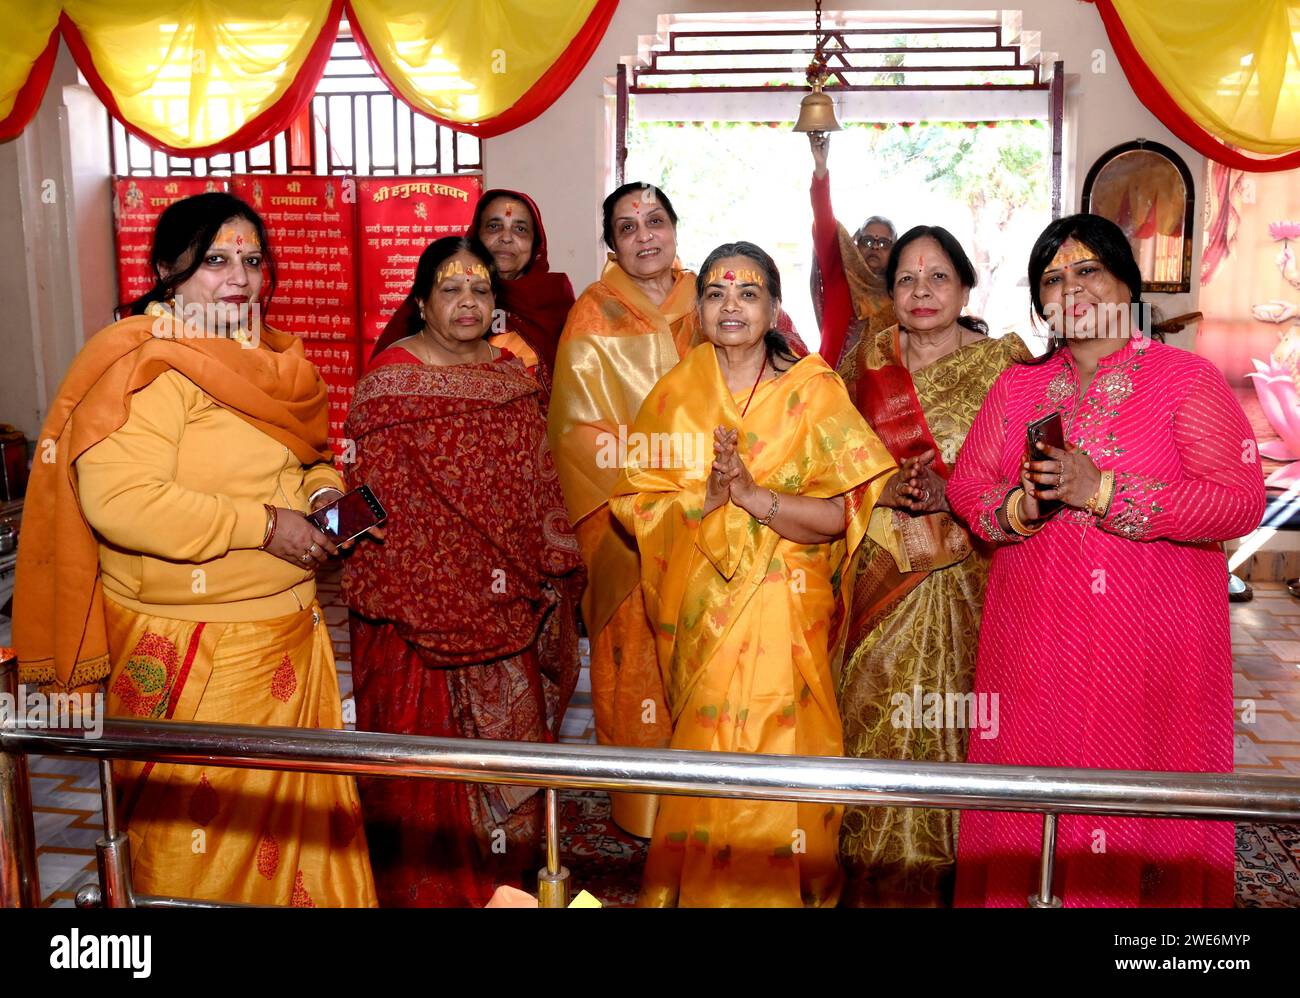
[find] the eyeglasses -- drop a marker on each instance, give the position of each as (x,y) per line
(871,242)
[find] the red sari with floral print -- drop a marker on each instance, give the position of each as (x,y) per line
(463,619)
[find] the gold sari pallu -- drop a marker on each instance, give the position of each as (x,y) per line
(744,621)
(883,390)
(615,346)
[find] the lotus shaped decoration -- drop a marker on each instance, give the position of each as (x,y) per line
(1276,391)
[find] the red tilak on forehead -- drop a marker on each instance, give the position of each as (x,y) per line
(510,210)
(729,275)
(636,207)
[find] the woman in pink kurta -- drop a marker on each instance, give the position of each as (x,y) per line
(1105,630)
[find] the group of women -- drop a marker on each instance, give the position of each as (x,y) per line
(865,522)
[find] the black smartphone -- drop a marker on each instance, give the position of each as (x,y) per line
(349,516)
(1049,431)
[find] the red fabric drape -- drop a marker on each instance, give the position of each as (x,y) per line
(281,115)
(269,123)
(545,92)
(29,97)
(1152,93)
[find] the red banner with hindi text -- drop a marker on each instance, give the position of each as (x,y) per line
(311,226)
(396,220)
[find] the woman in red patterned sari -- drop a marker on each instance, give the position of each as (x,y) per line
(463,620)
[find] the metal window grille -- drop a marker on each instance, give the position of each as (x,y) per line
(906,57)
(357,127)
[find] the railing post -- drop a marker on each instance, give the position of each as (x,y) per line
(20,885)
(1045,898)
(113,851)
(552,879)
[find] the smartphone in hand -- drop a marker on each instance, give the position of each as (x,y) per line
(350,516)
(1049,431)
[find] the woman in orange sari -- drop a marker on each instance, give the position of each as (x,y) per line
(166,552)
(740,566)
(626,331)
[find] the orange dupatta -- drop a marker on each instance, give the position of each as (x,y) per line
(59,628)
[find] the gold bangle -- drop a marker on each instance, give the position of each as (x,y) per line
(1013,515)
(1108,493)
(1099,504)
(776,505)
(270,526)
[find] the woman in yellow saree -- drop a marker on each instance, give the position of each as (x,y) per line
(625,332)
(740,566)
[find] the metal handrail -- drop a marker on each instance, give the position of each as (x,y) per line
(808,779)
(1051,791)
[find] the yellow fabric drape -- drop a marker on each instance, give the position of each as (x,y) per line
(746,621)
(467,62)
(28,24)
(192,74)
(616,344)
(1232,67)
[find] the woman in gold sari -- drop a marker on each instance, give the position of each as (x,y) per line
(740,565)
(913,624)
(165,551)
(625,332)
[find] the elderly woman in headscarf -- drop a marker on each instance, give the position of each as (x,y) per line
(532,302)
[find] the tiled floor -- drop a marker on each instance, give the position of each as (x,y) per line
(1266,646)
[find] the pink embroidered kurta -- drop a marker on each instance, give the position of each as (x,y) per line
(1106,642)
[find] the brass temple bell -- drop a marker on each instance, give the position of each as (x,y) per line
(817,112)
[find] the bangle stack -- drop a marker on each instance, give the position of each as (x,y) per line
(1013,515)
(1099,504)
(271,520)
(776,505)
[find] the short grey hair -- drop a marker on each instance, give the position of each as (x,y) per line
(876,220)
